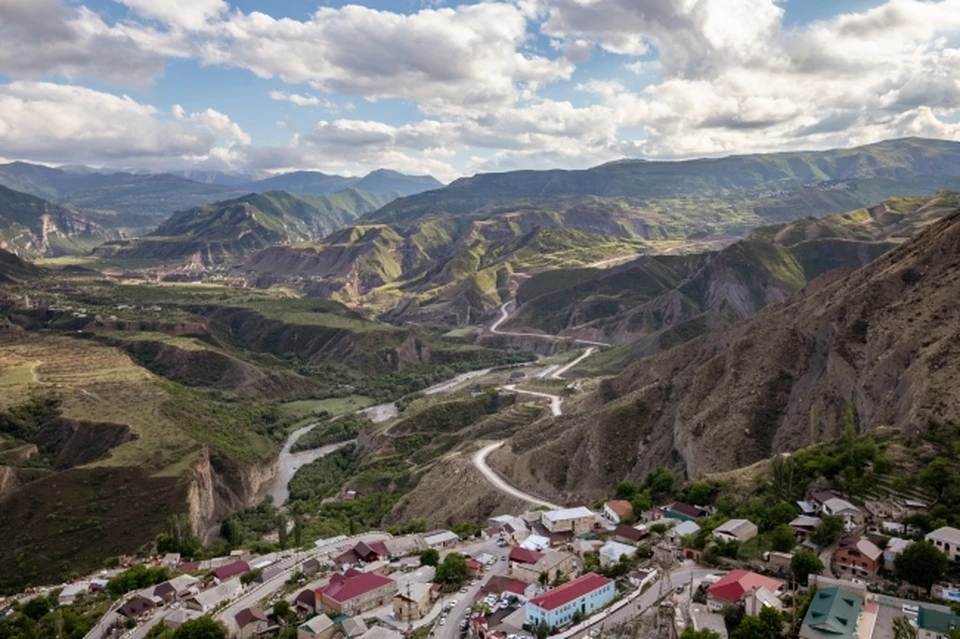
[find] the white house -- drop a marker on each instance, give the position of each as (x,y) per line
(842,508)
(618,510)
(576,520)
(947,539)
(612,551)
(681,530)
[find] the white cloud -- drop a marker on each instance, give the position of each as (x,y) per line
(462,60)
(307,100)
(192,15)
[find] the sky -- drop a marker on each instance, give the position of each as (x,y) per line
(454,88)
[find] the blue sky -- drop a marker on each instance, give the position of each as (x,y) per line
(453,88)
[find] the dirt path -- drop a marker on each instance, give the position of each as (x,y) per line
(480,461)
(555,400)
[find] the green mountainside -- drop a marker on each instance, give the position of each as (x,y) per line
(214,233)
(316,183)
(33,227)
(817,178)
(660,301)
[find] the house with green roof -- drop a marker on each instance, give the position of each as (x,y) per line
(833,614)
(935,624)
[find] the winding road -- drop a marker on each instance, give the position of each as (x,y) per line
(480,461)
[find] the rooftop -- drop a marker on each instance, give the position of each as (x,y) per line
(937,621)
(614,550)
(620,507)
(737,583)
(570,591)
(248,616)
(318,624)
(564,514)
(630,532)
(832,613)
(353,584)
(946,533)
(525,556)
(685,509)
(686,528)
(732,526)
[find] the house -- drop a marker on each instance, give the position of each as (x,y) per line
(170,560)
(894,547)
(474,568)
(580,597)
(177,588)
(139,604)
(319,627)
(575,520)
(681,530)
(818,499)
(803,526)
(843,508)
(212,597)
(618,510)
(362,553)
(778,560)
(510,526)
(310,566)
(703,619)
(403,546)
(630,534)
(441,539)
(731,588)
(306,602)
(640,578)
(498,585)
(180,616)
(536,542)
(71,592)
(935,624)
(739,530)
(914,507)
(353,627)
(413,602)
(612,551)
(268,574)
(947,539)
(230,571)
(251,622)
(523,556)
(760,598)
(552,563)
(834,613)
(858,554)
(683,512)
(806,508)
(355,592)
(946,592)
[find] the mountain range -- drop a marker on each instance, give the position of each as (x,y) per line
(156,195)
(879,342)
(451,255)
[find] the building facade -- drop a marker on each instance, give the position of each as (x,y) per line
(575,520)
(559,607)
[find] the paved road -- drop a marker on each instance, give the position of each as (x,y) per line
(555,400)
(557,374)
(505,315)
(480,461)
(451,629)
(251,597)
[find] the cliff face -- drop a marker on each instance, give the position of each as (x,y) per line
(217,487)
(883,340)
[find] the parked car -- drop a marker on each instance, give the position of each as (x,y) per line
(910,609)
(443,620)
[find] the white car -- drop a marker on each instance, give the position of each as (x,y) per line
(443,620)
(910,609)
(504,604)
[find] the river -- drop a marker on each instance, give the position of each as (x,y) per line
(289,462)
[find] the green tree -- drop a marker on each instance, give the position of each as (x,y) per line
(641,503)
(782,538)
(281,609)
(282,531)
(921,564)
(752,628)
(201,628)
(773,620)
(703,633)
(777,515)
(828,531)
(804,564)
(298,531)
(36,608)
(452,570)
(249,576)
(903,629)
(430,557)
(542,630)
(660,483)
(701,493)
(937,476)
(783,484)
(626,490)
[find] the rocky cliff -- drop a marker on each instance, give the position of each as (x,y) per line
(217,487)
(882,339)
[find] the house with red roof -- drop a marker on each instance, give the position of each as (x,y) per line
(736,584)
(618,510)
(499,585)
(519,555)
(354,592)
(474,568)
(578,598)
(362,553)
(230,571)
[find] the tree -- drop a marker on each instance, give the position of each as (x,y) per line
(937,476)
(703,633)
(249,576)
(778,515)
(298,531)
(660,482)
(542,630)
(701,493)
(452,570)
(828,531)
(921,564)
(753,628)
(282,531)
(782,538)
(903,629)
(626,490)
(804,564)
(641,503)
(281,609)
(430,557)
(201,628)
(773,620)
(36,608)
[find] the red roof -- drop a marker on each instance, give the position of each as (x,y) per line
(737,583)
(498,584)
(524,556)
(232,570)
(473,564)
(621,507)
(189,566)
(553,599)
(345,587)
